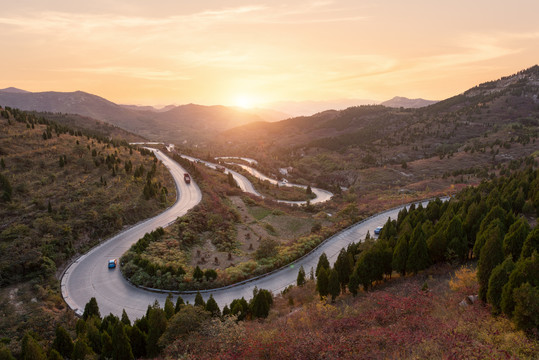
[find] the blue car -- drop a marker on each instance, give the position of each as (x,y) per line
(378,230)
(112,263)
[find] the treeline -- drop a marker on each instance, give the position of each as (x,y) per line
(487,223)
(117,338)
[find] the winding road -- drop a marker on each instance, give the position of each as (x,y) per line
(89,276)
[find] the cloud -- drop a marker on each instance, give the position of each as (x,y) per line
(140,73)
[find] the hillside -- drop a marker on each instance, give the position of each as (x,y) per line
(469,134)
(62,191)
(186,123)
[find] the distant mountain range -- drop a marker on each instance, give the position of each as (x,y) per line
(185,123)
(399,101)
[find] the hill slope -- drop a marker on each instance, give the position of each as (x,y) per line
(192,123)
(404,102)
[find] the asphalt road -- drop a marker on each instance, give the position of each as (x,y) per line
(89,275)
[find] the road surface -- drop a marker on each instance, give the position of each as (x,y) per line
(89,276)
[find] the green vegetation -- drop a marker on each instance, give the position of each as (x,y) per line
(61,194)
(423,236)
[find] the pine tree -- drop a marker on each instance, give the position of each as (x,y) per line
(322,282)
(169,307)
(515,237)
(496,282)
(121,348)
(125,319)
(526,314)
(344,266)
(301,277)
(63,342)
(261,303)
(400,256)
(91,309)
(491,255)
(30,349)
(157,324)
(80,350)
(199,300)
(353,284)
(308,191)
(179,303)
(198,274)
(418,259)
(138,340)
(334,287)
(531,243)
(322,263)
(212,307)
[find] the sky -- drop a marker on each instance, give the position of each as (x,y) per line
(250,53)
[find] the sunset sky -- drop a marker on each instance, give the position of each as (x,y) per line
(254,52)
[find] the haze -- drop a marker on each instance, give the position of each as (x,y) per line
(248,53)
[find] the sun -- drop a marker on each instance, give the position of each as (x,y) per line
(245,102)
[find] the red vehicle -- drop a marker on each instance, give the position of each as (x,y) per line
(187,178)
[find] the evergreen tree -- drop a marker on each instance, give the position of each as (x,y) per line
(344,265)
(63,342)
(334,287)
(179,303)
(91,309)
(400,256)
(137,339)
(526,270)
(94,337)
(515,237)
(30,349)
(496,282)
(322,282)
(323,262)
(353,284)
(526,314)
(53,355)
(212,307)
(199,300)
(261,303)
(491,255)
(198,274)
(169,307)
(121,348)
(125,319)
(308,191)
(157,324)
(531,243)
(301,277)
(80,350)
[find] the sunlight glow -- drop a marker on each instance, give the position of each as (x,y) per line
(245,102)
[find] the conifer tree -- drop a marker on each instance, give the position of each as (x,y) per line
(323,262)
(400,256)
(157,324)
(199,300)
(91,309)
(496,282)
(63,342)
(81,350)
(169,307)
(198,274)
(125,319)
(212,307)
(322,282)
(531,243)
(344,267)
(515,237)
(353,284)
(491,255)
(179,303)
(120,343)
(301,277)
(261,303)
(30,349)
(137,339)
(334,287)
